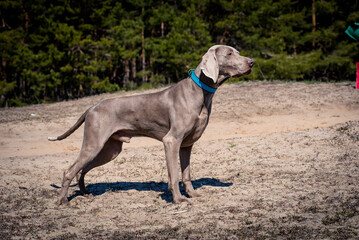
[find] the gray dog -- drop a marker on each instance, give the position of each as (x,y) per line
(177,116)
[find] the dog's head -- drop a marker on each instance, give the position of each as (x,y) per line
(222,62)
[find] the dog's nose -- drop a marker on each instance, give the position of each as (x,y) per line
(251,62)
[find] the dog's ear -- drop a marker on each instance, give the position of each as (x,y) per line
(209,65)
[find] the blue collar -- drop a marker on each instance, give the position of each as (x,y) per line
(200,83)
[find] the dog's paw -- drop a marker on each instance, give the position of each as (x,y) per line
(62,201)
(193,194)
(52,138)
(181,199)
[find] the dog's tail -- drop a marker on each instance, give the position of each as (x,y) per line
(79,122)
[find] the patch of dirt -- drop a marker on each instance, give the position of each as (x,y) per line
(277,161)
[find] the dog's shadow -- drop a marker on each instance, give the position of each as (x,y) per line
(97,189)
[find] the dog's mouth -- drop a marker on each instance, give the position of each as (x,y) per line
(248,72)
(241,74)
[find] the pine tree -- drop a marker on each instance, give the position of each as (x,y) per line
(55,50)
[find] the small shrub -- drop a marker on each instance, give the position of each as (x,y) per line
(105,86)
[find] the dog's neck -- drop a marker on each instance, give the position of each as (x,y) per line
(203,78)
(202,84)
(207,100)
(209,81)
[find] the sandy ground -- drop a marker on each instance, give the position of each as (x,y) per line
(277,161)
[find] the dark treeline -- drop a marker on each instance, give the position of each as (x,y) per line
(63,49)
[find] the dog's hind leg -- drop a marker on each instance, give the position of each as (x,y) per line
(86,155)
(110,151)
(96,134)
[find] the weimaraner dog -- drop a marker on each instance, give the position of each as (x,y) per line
(177,116)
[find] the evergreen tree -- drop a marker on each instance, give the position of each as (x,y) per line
(63,49)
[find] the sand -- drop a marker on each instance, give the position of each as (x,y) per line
(277,161)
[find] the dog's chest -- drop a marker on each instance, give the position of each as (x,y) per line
(198,128)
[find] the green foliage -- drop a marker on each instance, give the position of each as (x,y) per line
(6,87)
(105,86)
(285,67)
(55,50)
(16,103)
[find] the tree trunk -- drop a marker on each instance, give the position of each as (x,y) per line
(114,73)
(144,77)
(127,72)
(134,68)
(3,63)
(314,21)
(27,21)
(143,55)
(151,67)
(162,29)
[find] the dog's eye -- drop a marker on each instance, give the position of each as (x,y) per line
(230,53)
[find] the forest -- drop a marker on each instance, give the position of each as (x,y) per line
(54,50)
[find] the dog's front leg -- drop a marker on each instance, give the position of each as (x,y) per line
(185,155)
(172,146)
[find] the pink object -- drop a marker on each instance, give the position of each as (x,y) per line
(357,75)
